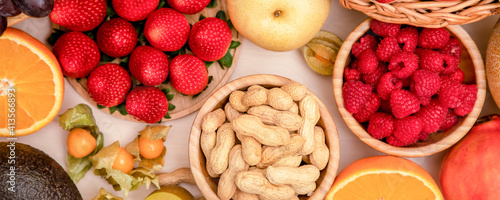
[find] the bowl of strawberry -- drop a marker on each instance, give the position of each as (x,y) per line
(144,61)
(409,91)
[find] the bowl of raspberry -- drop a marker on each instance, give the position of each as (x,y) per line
(409,91)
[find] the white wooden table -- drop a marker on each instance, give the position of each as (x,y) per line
(253,60)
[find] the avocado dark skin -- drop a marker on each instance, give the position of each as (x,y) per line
(37,175)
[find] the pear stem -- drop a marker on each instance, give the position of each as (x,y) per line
(277,13)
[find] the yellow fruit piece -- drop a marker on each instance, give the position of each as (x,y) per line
(317,63)
(329,37)
(170,192)
(325,43)
(323,51)
(31,76)
(384,177)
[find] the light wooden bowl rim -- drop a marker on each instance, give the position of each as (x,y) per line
(422,149)
(196,160)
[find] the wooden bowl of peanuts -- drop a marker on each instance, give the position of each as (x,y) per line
(471,66)
(264,137)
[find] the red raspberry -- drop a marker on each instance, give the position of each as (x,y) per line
(430,60)
(426,83)
(406,131)
(405,63)
(366,42)
(351,74)
(384,29)
(354,64)
(451,64)
(403,103)
(385,1)
(449,121)
(470,97)
(355,94)
(451,93)
(373,78)
(368,61)
(381,125)
(424,101)
(423,136)
(385,106)
(458,76)
(371,106)
(388,82)
(387,48)
(409,37)
(433,38)
(451,48)
(432,116)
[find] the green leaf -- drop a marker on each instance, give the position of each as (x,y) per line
(100,107)
(161,4)
(112,109)
(221,15)
(106,58)
(167,116)
(201,17)
(227,60)
(210,79)
(171,106)
(121,109)
(212,4)
(230,24)
(170,97)
(110,12)
(208,63)
(55,36)
(165,91)
(234,44)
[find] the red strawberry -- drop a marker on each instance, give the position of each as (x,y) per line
(108,84)
(77,54)
(134,10)
(116,37)
(147,103)
(210,39)
(188,6)
(78,15)
(167,29)
(188,74)
(148,65)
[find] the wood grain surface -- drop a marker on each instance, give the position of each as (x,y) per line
(218,99)
(471,63)
(184,104)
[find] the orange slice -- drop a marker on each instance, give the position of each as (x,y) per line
(384,178)
(31,77)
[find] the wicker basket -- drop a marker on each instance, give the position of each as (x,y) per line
(430,14)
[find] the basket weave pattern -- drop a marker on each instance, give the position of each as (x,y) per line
(430,14)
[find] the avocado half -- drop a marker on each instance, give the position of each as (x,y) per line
(28,173)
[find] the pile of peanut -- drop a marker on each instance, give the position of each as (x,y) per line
(257,143)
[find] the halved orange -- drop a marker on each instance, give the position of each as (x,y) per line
(31,77)
(384,178)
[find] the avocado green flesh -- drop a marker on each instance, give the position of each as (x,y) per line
(28,173)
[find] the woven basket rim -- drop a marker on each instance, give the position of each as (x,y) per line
(429,14)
